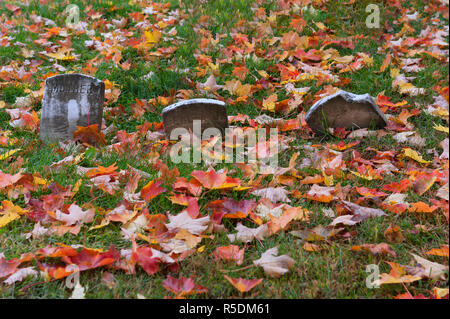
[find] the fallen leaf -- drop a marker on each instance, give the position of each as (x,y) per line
(247,235)
(274,265)
(195,226)
(242,284)
(376,249)
(230,252)
(151,190)
(183,286)
(393,234)
(274,194)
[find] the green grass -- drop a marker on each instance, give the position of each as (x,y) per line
(334,272)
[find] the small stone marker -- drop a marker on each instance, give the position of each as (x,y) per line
(346,110)
(70,100)
(211,113)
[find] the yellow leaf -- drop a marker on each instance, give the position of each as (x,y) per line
(162,24)
(8,154)
(414,155)
(440,292)
(269,103)
(241,188)
(152,37)
(367,177)
(40,181)
(395,72)
(76,187)
(62,54)
(8,207)
(441,128)
(344,59)
(201,249)
(329,181)
(7,218)
(2,104)
(321,26)
(263,73)
(440,112)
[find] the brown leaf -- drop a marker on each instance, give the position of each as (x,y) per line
(394,234)
(376,249)
(90,135)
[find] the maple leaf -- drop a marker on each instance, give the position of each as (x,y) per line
(183,286)
(359,213)
(443,192)
(149,258)
(235,87)
(89,258)
(399,187)
(246,234)
(318,233)
(62,54)
(192,207)
(100,170)
(90,135)
(397,275)
(370,192)
(37,231)
(231,208)
(393,234)
(311,247)
(443,251)
(151,190)
(269,103)
(292,213)
(414,155)
(9,212)
(75,215)
(210,84)
(274,265)
(213,180)
(421,207)
(242,284)
(195,226)
(7,179)
(320,193)
(8,267)
(193,186)
(274,194)
(428,269)
(20,275)
(230,252)
(381,248)
(424,182)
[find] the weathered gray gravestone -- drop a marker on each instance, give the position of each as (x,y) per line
(70,100)
(345,110)
(211,113)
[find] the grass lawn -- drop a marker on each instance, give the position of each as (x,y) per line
(153,54)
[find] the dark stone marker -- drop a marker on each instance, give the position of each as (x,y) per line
(346,110)
(211,113)
(70,100)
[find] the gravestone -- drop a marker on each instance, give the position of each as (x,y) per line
(211,113)
(345,110)
(70,100)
